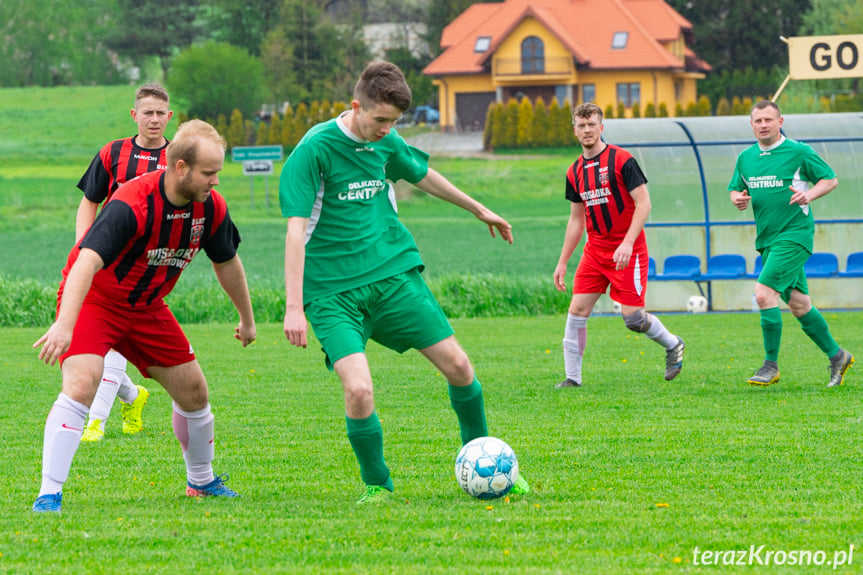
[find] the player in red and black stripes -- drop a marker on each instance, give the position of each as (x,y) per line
(116,163)
(610,200)
(112,297)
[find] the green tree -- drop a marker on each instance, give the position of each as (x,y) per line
(148,28)
(525,124)
(242,24)
(650,110)
(57,42)
(723,107)
(510,126)
(663,110)
(636,109)
(489,125)
(275,134)
(236,134)
(239,84)
(498,125)
(541,132)
(262,136)
(307,58)
(621,110)
(609,111)
(704,107)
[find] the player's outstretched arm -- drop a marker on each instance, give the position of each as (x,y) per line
(437,185)
(84,217)
(295,324)
(571,239)
(55,342)
(232,278)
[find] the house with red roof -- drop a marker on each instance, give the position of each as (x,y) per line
(602,51)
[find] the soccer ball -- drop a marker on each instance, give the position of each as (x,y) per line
(696,304)
(616,307)
(486,468)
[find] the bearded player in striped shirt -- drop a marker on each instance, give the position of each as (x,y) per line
(116,163)
(112,297)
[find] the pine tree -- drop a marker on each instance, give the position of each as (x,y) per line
(525,124)
(236,135)
(541,137)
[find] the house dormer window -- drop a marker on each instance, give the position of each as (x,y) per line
(619,40)
(482,44)
(532,56)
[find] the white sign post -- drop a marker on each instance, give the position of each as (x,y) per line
(257,161)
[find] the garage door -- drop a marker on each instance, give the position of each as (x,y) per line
(470,110)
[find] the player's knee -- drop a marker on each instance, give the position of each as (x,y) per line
(639,322)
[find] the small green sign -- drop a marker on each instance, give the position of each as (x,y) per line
(242,154)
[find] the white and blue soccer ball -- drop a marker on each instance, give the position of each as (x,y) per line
(486,468)
(696,304)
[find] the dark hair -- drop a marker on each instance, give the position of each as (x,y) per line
(383,83)
(586,111)
(151,91)
(184,146)
(765,104)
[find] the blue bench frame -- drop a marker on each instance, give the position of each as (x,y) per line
(687,267)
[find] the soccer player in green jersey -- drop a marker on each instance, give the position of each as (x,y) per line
(353,269)
(774,177)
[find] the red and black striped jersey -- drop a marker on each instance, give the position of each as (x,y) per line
(602,184)
(117,163)
(146,242)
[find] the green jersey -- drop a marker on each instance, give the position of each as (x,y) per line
(767,174)
(340,183)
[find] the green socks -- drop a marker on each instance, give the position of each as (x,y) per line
(771,330)
(367,439)
(815,326)
(469,407)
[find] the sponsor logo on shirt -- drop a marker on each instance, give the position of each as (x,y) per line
(362,190)
(763,182)
(595,197)
(179,258)
(179,216)
(151,159)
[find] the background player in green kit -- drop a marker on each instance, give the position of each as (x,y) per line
(353,269)
(774,176)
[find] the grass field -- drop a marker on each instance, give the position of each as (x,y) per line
(630,473)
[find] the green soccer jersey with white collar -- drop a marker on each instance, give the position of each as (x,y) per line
(343,185)
(767,174)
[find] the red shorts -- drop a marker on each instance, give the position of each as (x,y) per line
(150,337)
(596,271)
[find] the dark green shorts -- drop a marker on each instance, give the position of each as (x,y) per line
(398,312)
(783,268)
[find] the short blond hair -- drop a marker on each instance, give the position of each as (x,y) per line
(184,146)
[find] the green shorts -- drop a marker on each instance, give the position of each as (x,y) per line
(398,312)
(783,268)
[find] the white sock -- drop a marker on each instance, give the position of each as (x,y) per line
(128,390)
(660,334)
(574,342)
(112,376)
(63,429)
(195,431)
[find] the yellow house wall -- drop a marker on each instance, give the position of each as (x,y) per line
(553,49)
(449,86)
(656,86)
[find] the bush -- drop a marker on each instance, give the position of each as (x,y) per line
(723,108)
(663,110)
(215,78)
(609,111)
(636,109)
(650,110)
(704,107)
(621,110)
(542,136)
(525,124)
(26,303)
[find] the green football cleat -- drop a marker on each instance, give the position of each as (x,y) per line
(520,487)
(132,422)
(374,495)
(839,364)
(94,431)
(768,374)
